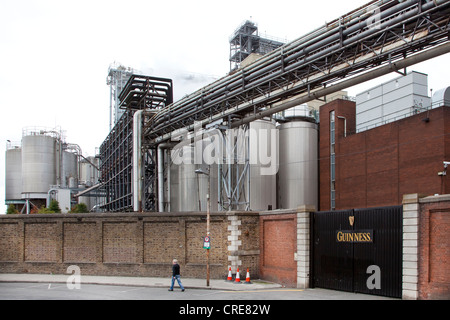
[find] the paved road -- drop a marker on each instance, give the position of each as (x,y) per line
(60,291)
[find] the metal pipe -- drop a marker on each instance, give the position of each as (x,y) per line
(240,82)
(420,57)
(137,161)
(160,179)
(302,49)
(160,166)
(345,125)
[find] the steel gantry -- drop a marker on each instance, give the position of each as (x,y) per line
(378,34)
(118,170)
(376,39)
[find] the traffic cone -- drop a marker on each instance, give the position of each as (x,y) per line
(247,278)
(238,277)
(230,277)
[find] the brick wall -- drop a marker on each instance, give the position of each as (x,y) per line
(278,240)
(434,248)
(378,166)
(426,247)
(129,244)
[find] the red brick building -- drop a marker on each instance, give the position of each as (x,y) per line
(378,166)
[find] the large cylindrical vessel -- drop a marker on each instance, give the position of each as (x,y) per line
(298,171)
(69,170)
(39,162)
(13,174)
(88,177)
(188,189)
(263,165)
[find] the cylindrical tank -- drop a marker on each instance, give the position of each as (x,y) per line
(174,188)
(188,189)
(13,174)
(88,173)
(190,184)
(263,165)
(69,170)
(39,162)
(88,177)
(298,171)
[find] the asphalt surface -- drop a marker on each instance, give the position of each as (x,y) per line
(63,287)
(59,291)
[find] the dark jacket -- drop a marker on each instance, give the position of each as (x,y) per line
(175,270)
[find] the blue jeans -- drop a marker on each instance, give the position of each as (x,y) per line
(177,277)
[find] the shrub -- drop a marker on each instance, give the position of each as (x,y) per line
(54,207)
(12,209)
(79,208)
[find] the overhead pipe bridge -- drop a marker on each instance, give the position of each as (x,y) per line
(377,35)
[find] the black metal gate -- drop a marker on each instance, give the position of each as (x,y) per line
(358,250)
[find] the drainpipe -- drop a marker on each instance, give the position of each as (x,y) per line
(345,125)
(137,161)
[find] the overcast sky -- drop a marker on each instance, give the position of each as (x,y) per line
(55,54)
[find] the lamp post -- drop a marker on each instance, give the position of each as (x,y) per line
(208,218)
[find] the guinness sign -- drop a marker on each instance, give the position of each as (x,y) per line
(354,236)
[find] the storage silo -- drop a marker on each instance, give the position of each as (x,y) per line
(88,177)
(39,163)
(298,172)
(69,177)
(13,174)
(188,189)
(174,188)
(263,165)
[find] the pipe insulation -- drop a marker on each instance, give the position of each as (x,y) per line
(272,65)
(393,67)
(137,161)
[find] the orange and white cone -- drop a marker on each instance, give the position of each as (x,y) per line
(238,277)
(230,277)
(247,278)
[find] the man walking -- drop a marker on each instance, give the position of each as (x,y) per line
(176,275)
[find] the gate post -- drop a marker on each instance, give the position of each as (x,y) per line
(303,245)
(410,272)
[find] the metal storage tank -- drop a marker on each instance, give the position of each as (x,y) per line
(188,189)
(69,176)
(187,182)
(263,165)
(88,174)
(39,161)
(13,174)
(88,177)
(298,172)
(174,188)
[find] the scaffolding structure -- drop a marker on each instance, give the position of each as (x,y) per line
(116,152)
(118,76)
(246,40)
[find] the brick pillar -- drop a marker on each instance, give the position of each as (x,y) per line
(410,272)
(234,234)
(303,245)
